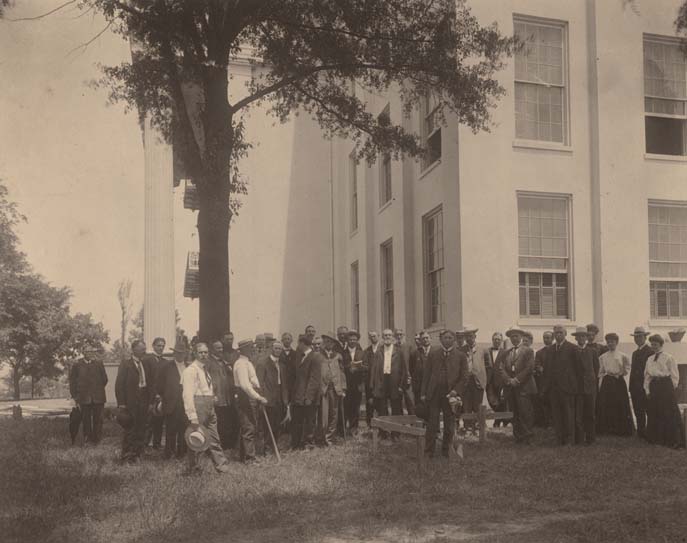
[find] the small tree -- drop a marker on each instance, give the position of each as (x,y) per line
(124,299)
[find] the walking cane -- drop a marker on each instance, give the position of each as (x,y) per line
(274,441)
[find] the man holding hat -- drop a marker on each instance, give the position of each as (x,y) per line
(305,394)
(477,374)
(585,402)
(87,380)
(515,367)
(637,392)
(560,378)
(168,386)
(355,368)
(333,388)
(247,385)
(156,420)
(199,405)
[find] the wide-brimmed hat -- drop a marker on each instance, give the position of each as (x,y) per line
(353,332)
(329,335)
(469,329)
(514,330)
(245,343)
(593,328)
(580,331)
(197,440)
(180,347)
(124,418)
(640,331)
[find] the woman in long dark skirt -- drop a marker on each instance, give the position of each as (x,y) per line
(613,415)
(661,378)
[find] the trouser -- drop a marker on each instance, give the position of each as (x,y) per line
(275,414)
(563,415)
(352,406)
(134,437)
(154,431)
(409,400)
(585,418)
(233,426)
(251,433)
(369,406)
(523,415)
(388,397)
(472,399)
(92,420)
(440,404)
(175,426)
(205,411)
(639,406)
(223,428)
(302,425)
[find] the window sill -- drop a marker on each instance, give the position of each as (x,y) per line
(545,322)
(429,168)
(665,158)
(668,323)
(384,206)
(542,146)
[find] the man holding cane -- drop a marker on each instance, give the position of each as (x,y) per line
(250,400)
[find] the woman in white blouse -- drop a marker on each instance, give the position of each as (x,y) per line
(613,415)
(661,378)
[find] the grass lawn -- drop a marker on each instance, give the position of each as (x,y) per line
(619,490)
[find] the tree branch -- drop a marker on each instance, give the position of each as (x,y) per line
(84,46)
(55,10)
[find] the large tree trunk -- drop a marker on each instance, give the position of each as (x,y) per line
(16,382)
(214,214)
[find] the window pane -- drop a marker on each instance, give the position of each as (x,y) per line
(665,136)
(541,114)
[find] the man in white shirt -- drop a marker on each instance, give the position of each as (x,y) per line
(199,404)
(247,385)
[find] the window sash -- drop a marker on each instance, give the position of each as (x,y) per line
(354,193)
(433,266)
(667,241)
(665,69)
(542,59)
(385,180)
(668,299)
(544,295)
(355,295)
(387,271)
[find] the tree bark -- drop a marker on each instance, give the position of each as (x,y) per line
(16,381)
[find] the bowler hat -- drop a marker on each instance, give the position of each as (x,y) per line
(580,331)
(245,343)
(640,331)
(353,332)
(514,330)
(592,328)
(469,329)
(124,418)
(198,439)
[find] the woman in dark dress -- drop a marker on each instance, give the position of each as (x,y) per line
(661,378)
(613,415)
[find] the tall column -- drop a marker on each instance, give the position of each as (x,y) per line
(159,303)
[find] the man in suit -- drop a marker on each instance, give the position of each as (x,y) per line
(356,371)
(593,331)
(516,368)
(250,403)
(388,374)
(542,408)
(561,381)
(310,332)
(637,392)
(477,375)
(156,361)
(223,391)
(494,391)
(588,377)
(134,390)
(271,372)
(407,350)
(87,380)
(230,356)
(304,395)
(333,388)
(168,387)
(342,340)
(417,365)
(370,354)
(443,386)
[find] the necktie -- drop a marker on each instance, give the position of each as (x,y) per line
(141,374)
(208,378)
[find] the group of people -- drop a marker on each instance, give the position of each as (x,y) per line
(246,397)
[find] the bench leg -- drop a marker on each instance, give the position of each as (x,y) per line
(482,414)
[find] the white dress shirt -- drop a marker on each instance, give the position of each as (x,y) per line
(141,372)
(195,382)
(613,363)
(661,365)
(275,361)
(245,377)
(388,351)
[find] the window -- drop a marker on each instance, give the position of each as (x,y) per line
(387,270)
(385,164)
(355,296)
(544,262)
(668,260)
(540,82)
(353,172)
(430,129)
(433,234)
(665,97)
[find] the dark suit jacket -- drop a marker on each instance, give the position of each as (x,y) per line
(639,358)
(541,358)
(418,361)
(600,348)
(126,385)
(156,363)
(221,386)
(87,382)
(168,386)
(562,368)
(522,368)
(355,373)
(457,365)
(369,357)
(588,370)
(274,392)
(307,378)
(399,373)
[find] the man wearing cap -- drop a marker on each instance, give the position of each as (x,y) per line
(477,375)
(156,361)
(135,394)
(387,377)
(370,355)
(443,386)
(515,367)
(230,356)
(592,332)
(271,372)
(542,409)
(304,395)
(417,366)
(356,373)
(637,392)
(588,378)
(222,389)
(87,380)
(560,378)
(407,351)
(249,402)
(333,388)
(168,387)
(199,405)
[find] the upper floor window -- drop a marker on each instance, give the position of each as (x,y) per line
(668,260)
(430,130)
(544,262)
(353,173)
(355,296)
(540,82)
(387,272)
(384,165)
(665,97)
(433,234)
